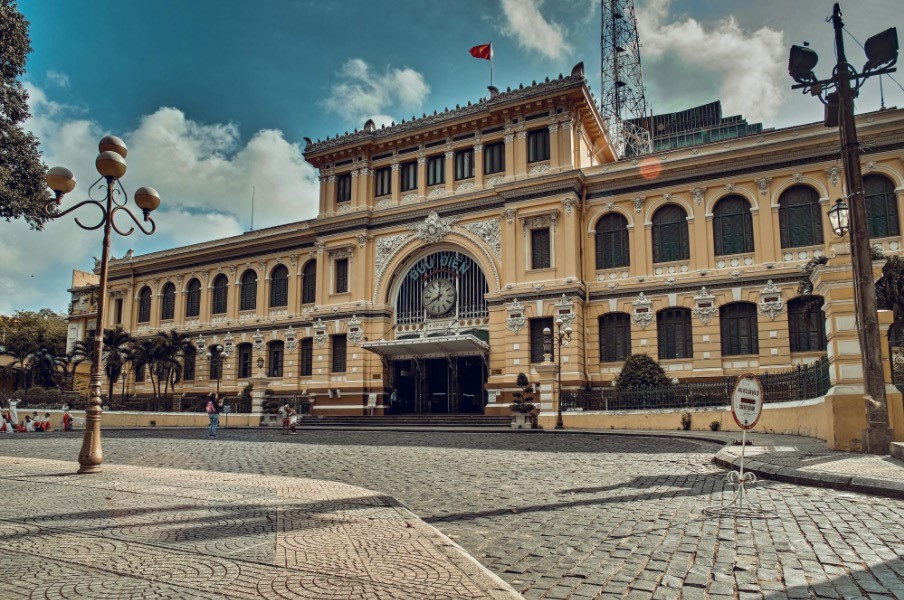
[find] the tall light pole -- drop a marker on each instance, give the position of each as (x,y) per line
(111,165)
(881,53)
(216,356)
(562,337)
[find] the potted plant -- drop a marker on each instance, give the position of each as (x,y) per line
(523,406)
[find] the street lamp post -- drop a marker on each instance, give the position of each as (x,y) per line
(217,357)
(111,165)
(881,52)
(562,337)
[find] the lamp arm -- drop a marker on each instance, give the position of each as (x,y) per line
(50,209)
(137,223)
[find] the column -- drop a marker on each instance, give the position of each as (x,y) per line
(520,152)
(554,146)
(566,137)
(509,155)
(450,172)
(421,176)
(478,165)
(396,182)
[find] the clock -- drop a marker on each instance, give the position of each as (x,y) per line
(439,297)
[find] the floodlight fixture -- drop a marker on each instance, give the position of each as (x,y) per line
(801,62)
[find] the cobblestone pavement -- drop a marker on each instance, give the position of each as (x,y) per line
(139,532)
(571,516)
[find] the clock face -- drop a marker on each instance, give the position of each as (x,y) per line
(439,296)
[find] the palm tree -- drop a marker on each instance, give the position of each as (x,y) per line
(173,347)
(116,353)
(148,353)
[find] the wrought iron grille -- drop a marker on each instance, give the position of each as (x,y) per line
(463,271)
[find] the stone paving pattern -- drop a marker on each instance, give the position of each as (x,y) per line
(570,516)
(139,532)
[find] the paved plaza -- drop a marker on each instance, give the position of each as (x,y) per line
(556,516)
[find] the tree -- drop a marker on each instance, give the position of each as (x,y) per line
(640,372)
(116,354)
(147,353)
(34,341)
(23,192)
(173,348)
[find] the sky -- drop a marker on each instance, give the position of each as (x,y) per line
(214,97)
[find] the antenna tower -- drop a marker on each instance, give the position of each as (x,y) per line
(623,105)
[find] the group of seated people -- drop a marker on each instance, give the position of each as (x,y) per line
(9,420)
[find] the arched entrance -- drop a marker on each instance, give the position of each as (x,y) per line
(437,359)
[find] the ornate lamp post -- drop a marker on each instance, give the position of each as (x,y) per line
(562,338)
(111,165)
(218,358)
(837,93)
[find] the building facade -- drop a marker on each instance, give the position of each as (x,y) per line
(446,244)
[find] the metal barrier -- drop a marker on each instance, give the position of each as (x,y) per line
(800,383)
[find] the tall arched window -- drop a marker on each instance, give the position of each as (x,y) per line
(309,282)
(244,360)
(881,206)
(279,286)
(219,301)
(612,248)
(732,226)
(740,334)
(807,324)
(193,298)
(275,353)
(674,333)
(615,337)
(249,290)
(144,305)
(168,302)
(799,217)
(670,241)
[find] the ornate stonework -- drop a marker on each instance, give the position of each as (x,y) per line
(291,340)
(489,232)
(565,310)
(538,222)
(319,332)
(434,228)
(763,185)
(704,306)
(386,248)
(771,301)
(537,169)
(643,311)
(516,319)
(833,174)
(697,194)
(354,333)
(258,340)
(638,203)
(569,204)
(509,214)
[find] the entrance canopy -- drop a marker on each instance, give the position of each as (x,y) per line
(428,347)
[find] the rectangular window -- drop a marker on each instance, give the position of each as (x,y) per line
(307,357)
(540,249)
(538,145)
(383,182)
(464,164)
(409,176)
(344,188)
(339,347)
(139,373)
(244,361)
(276,359)
(536,339)
(341,275)
(188,366)
(193,301)
(117,312)
(494,158)
(436,170)
(615,337)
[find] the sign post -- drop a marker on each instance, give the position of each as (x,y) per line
(746,408)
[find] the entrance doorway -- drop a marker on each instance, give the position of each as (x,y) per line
(440,385)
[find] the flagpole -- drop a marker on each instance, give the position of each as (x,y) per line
(491,64)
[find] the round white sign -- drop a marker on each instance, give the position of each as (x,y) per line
(747,401)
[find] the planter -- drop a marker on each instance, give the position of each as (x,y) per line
(521,421)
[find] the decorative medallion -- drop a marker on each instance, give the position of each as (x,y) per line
(763,185)
(386,247)
(834,175)
(697,194)
(537,169)
(638,203)
(704,306)
(509,214)
(771,301)
(516,319)
(569,204)
(354,333)
(565,310)
(258,340)
(643,311)
(319,332)
(228,343)
(434,228)
(797,177)
(488,231)
(291,340)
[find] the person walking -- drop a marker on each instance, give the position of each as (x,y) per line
(293,420)
(393,400)
(213,412)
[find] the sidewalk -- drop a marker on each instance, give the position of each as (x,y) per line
(801,460)
(168,533)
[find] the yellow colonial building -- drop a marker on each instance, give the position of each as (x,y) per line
(446,244)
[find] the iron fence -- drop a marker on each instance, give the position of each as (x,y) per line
(800,383)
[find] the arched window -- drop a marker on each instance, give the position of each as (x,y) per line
(249,290)
(144,305)
(670,241)
(275,359)
(799,217)
(881,206)
(740,334)
(615,337)
(189,356)
(807,324)
(279,286)
(193,298)
(674,333)
(612,242)
(168,302)
(309,282)
(220,295)
(244,357)
(216,365)
(732,226)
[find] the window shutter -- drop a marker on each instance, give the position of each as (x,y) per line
(307,356)
(342,276)
(339,351)
(540,250)
(536,338)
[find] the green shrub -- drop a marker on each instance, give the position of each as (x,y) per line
(715,426)
(640,372)
(523,403)
(686,421)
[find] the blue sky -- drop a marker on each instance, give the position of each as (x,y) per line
(214,97)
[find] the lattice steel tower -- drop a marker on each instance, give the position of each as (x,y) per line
(623,104)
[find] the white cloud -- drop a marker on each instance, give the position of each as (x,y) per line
(203,172)
(531,30)
(57,78)
(745,67)
(363,92)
